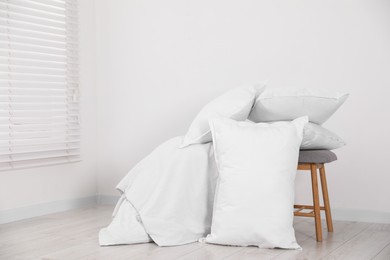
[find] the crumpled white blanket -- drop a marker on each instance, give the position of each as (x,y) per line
(167,197)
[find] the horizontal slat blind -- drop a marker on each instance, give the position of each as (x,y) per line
(39,110)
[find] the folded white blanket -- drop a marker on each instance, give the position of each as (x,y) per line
(169,194)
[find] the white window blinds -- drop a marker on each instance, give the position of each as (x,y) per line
(39,122)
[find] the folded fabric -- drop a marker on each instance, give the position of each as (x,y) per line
(316,137)
(282,104)
(236,104)
(170,193)
(125,228)
(254,197)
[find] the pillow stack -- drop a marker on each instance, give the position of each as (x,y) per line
(289,103)
(257,158)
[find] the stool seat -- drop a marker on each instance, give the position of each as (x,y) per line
(316,156)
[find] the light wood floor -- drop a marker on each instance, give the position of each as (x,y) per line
(73,235)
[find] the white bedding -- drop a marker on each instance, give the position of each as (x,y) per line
(167,197)
(125,228)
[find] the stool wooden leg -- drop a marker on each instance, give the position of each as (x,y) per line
(316,202)
(325,195)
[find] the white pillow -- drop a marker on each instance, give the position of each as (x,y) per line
(318,137)
(236,104)
(289,103)
(254,199)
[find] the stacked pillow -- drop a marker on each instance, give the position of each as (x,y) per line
(316,137)
(257,158)
(235,104)
(280,104)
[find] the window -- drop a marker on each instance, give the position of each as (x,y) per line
(39,111)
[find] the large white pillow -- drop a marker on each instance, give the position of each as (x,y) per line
(254,199)
(236,104)
(318,137)
(289,103)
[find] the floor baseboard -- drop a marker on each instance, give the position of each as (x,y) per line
(11,215)
(361,215)
(107,199)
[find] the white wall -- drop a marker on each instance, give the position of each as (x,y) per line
(156,63)
(21,188)
(159,62)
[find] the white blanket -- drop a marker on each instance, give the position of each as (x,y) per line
(167,197)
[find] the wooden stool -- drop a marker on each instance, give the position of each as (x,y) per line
(311,160)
